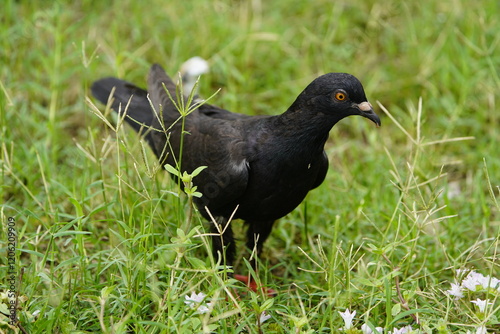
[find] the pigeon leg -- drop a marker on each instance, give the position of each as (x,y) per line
(257,233)
(223,238)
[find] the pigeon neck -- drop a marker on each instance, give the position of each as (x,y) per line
(307,126)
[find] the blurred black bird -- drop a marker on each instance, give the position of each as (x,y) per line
(258,167)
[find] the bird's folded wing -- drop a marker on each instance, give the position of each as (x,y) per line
(219,145)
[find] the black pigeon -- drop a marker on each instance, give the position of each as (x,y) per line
(258,167)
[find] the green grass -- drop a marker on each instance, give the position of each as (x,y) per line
(102,235)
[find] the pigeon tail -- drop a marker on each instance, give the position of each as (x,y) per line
(127,98)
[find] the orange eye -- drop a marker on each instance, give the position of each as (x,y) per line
(340,96)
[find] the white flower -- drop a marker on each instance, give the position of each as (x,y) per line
(264,317)
(190,71)
(481,304)
(473,280)
(202,309)
(481,330)
(489,282)
(194,298)
(402,330)
(367,330)
(194,301)
(495,282)
(456,291)
(347,316)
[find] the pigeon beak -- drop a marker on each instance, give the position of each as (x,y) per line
(366,110)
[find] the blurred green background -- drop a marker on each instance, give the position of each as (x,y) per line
(414,199)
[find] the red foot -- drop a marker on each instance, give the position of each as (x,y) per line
(252,285)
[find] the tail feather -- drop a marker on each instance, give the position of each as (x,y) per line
(139,113)
(158,80)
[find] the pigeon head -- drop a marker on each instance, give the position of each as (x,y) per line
(339,95)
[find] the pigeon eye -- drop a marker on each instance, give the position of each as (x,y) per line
(340,95)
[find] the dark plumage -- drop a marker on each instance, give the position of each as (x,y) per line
(265,165)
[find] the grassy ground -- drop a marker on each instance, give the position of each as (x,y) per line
(102,235)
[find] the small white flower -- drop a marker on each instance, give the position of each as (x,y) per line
(367,330)
(472,281)
(495,283)
(191,70)
(194,301)
(347,316)
(489,282)
(195,298)
(481,304)
(202,309)
(264,317)
(456,291)
(481,330)
(402,330)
